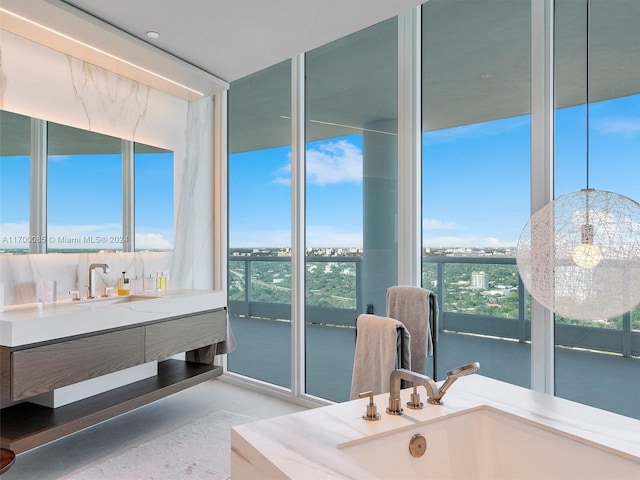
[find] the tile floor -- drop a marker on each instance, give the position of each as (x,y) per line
(115,436)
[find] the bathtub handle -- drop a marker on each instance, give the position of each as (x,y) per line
(372,410)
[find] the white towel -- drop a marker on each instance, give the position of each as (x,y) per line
(382,345)
(417,309)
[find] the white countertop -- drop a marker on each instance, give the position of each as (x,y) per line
(26,324)
(304,445)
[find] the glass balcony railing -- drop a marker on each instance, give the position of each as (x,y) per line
(477,295)
(498,305)
(260,287)
(483,316)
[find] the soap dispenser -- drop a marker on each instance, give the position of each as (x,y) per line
(123,284)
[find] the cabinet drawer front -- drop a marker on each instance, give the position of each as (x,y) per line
(183,334)
(5,372)
(41,369)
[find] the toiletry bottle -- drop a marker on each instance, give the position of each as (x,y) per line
(150,284)
(120,285)
(136,285)
(123,284)
(162,281)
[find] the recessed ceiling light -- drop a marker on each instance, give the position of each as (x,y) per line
(152,34)
(100,51)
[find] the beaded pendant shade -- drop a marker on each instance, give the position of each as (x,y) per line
(579,255)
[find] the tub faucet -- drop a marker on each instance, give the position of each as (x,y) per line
(92,277)
(433,392)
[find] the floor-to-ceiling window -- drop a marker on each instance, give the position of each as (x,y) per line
(351,197)
(476,177)
(606,352)
(478,188)
(260,224)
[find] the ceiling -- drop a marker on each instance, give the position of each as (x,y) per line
(476,68)
(233,38)
(476,56)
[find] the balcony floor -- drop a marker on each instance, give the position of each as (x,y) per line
(605,381)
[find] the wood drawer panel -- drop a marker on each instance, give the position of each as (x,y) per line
(5,372)
(41,369)
(183,334)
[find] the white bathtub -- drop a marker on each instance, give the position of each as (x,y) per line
(487,443)
(486,429)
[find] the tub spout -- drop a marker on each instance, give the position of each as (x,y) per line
(403,374)
(433,393)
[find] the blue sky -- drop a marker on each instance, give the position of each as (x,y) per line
(84,199)
(260,186)
(614,156)
(475,180)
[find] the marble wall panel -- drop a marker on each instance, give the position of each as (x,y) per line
(43,83)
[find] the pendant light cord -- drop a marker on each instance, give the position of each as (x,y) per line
(587,87)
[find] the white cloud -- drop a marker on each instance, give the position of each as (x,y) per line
(14,235)
(624,126)
(317,236)
(328,163)
(330,236)
(286,181)
(14,228)
(263,238)
(152,241)
(476,130)
(59,158)
(59,237)
(466,241)
(108,229)
(334,162)
(431,227)
(96,236)
(434,224)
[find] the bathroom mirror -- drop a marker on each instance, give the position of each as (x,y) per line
(83,191)
(15,142)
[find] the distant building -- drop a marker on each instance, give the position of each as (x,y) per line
(479,280)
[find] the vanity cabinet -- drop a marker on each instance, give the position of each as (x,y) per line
(33,369)
(178,335)
(45,368)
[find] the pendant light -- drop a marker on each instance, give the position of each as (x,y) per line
(587,254)
(579,255)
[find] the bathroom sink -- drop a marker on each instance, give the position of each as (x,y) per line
(486,443)
(104,302)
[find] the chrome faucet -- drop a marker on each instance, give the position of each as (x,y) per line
(92,277)
(433,393)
